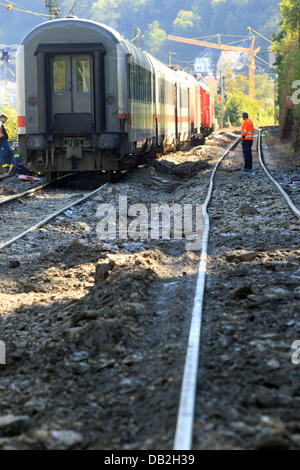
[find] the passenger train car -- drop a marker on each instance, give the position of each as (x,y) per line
(88,100)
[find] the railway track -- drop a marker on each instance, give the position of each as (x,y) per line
(58,312)
(289,201)
(184,427)
(188,398)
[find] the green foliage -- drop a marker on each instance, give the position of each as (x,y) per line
(287,48)
(290,11)
(11,125)
(192,18)
(260,110)
(155,37)
(185,22)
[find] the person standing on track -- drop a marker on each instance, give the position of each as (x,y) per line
(247,141)
(6,154)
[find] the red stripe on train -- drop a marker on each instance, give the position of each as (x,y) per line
(21,121)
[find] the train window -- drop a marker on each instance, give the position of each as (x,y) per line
(135,87)
(139,83)
(59,76)
(83,76)
(129,80)
(162,91)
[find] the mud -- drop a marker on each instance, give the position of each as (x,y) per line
(248,394)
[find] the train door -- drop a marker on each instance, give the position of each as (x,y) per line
(71,82)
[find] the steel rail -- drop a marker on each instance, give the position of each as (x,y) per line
(185,418)
(47,219)
(291,205)
(24,194)
(30,191)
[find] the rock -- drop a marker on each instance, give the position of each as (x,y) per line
(274,425)
(240,256)
(14,264)
(276,292)
(11,425)
(243,428)
(73,332)
(58,439)
(81,368)
(80,355)
(273,364)
(242,292)
(103,269)
(246,209)
(34,405)
(111,190)
(66,439)
(297,292)
(109,247)
(86,315)
(272,442)
(295,439)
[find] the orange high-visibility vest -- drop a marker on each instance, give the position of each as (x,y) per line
(248,130)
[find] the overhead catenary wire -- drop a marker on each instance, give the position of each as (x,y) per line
(21,10)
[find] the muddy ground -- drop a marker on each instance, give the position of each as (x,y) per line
(248,394)
(96,331)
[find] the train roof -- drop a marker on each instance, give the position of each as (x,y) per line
(142,56)
(70,22)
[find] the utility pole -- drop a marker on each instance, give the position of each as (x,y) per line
(53,8)
(222,98)
(275,99)
(5,57)
(137,37)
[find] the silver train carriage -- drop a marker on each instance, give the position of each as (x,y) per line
(88,99)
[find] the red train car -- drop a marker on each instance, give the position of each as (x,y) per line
(207,109)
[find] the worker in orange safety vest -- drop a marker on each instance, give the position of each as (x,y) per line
(247,141)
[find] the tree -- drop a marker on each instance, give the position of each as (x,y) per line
(261,109)
(154,38)
(290,11)
(185,22)
(287,48)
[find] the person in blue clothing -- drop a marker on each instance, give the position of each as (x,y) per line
(6,154)
(17,167)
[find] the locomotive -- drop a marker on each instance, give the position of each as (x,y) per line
(89,100)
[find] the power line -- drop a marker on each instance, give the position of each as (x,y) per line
(10,6)
(71,12)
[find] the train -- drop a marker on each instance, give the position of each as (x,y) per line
(90,100)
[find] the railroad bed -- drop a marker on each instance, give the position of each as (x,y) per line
(248,388)
(95,354)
